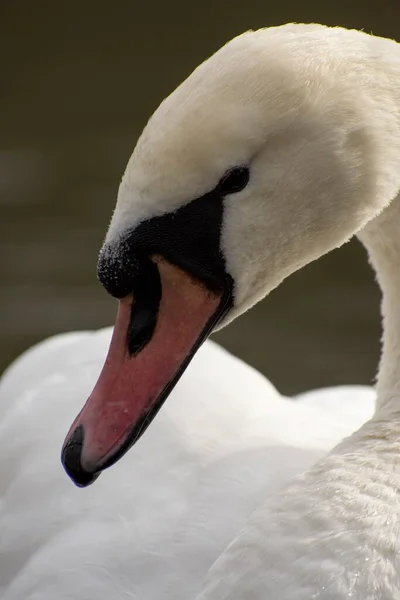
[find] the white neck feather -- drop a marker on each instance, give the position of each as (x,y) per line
(381,236)
(382,240)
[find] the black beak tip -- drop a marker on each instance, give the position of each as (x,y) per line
(71,459)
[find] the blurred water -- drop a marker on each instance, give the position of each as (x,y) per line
(79,81)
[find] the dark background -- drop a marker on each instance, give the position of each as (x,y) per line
(78,83)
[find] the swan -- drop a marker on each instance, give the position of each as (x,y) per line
(263,160)
(275,151)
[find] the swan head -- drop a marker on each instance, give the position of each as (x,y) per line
(260,162)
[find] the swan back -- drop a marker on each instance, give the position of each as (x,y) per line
(154,523)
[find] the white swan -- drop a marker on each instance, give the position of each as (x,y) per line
(276,150)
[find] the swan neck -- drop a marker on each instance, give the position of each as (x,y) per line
(382,240)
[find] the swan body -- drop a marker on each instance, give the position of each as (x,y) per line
(276,150)
(154,524)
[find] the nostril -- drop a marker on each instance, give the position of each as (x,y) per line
(147,293)
(71,459)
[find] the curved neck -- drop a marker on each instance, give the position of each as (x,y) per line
(382,240)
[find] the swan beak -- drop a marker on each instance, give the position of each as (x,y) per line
(132,387)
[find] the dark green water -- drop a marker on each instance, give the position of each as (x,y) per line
(79,81)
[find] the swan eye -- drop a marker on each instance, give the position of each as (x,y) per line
(234,180)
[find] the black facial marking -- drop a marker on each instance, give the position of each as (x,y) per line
(188,238)
(117,268)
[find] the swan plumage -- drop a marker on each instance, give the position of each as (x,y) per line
(152,526)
